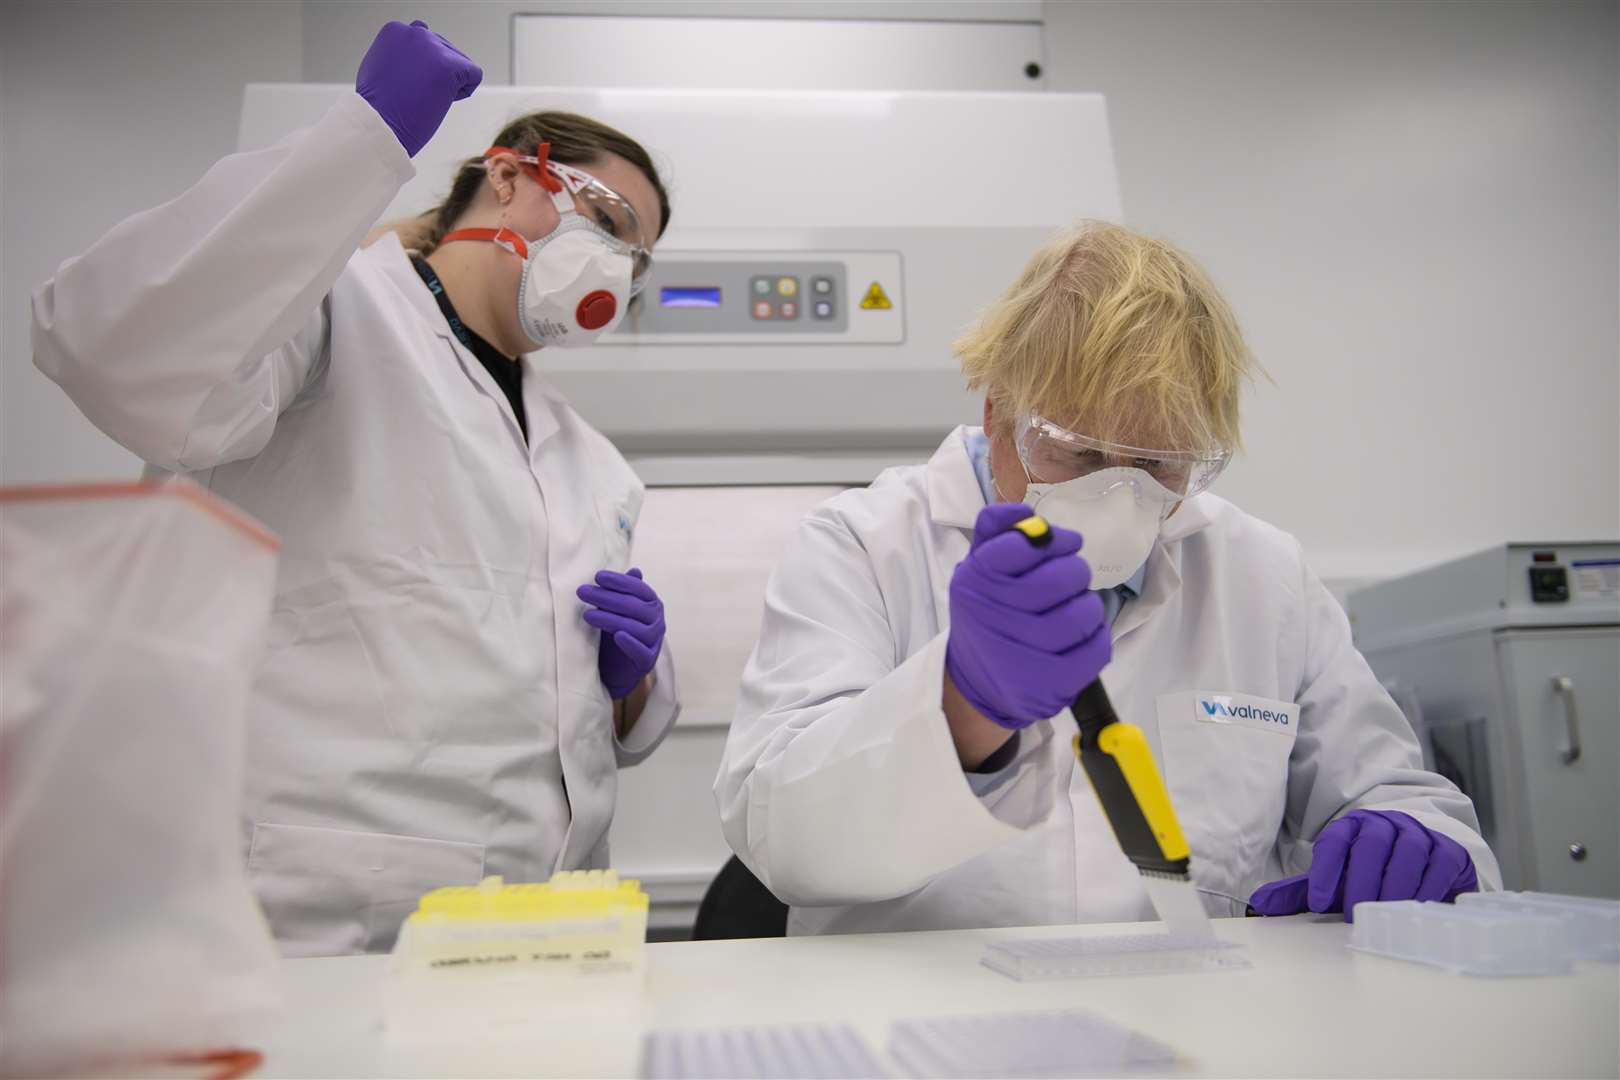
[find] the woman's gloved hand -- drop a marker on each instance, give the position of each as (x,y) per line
(631,618)
(1027,634)
(1371,855)
(412,76)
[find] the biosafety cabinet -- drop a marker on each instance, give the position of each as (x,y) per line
(1513,656)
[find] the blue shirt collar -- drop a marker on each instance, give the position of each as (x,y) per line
(978,451)
(1134,582)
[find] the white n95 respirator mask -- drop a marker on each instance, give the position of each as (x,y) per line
(573,288)
(1117,513)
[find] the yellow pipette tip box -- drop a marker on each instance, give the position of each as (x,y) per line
(582,931)
(580,919)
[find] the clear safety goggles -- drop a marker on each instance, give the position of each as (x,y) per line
(607,212)
(1053,454)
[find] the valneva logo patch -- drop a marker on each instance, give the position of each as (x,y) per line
(1264,714)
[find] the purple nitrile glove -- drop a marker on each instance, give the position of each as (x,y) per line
(411,76)
(1372,855)
(1027,634)
(631,618)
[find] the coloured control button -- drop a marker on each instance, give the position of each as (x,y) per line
(789,309)
(762,309)
(823,309)
(822,286)
(788,286)
(762,286)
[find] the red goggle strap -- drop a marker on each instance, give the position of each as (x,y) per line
(538,170)
(503,236)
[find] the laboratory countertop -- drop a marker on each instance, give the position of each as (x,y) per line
(1308,1007)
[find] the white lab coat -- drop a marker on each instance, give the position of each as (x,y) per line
(429,709)
(840,786)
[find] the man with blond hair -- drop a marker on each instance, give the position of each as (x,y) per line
(900,756)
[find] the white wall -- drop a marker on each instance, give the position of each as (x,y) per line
(1412,207)
(106,109)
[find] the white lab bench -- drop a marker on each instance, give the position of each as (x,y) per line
(1308,1007)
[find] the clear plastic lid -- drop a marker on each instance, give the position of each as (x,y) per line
(797,1050)
(1067,1042)
(1113,954)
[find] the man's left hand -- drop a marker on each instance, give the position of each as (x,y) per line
(1372,855)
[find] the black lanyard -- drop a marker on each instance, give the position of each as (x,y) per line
(507,373)
(436,287)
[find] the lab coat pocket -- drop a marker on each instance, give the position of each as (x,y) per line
(1226,763)
(618,517)
(335,891)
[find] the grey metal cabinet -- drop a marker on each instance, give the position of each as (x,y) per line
(1563,686)
(1512,657)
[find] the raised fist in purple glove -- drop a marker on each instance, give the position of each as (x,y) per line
(1372,855)
(631,618)
(1027,634)
(411,76)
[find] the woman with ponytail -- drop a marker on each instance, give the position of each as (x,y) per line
(460,655)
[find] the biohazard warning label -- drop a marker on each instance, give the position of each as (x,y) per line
(875,299)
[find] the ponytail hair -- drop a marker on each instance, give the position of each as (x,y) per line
(575,140)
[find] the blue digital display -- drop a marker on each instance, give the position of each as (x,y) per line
(689,296)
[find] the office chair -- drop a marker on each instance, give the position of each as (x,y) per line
(738,905)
